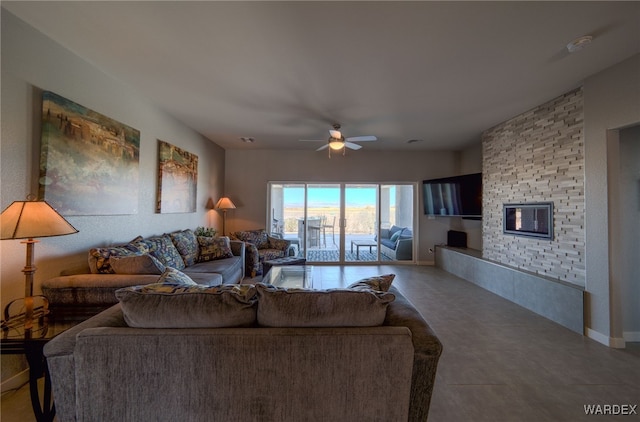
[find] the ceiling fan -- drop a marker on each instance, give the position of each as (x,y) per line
(338,142)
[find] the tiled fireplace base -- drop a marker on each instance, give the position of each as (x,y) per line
(558,301)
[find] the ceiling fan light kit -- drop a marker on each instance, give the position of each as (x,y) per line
(338,142)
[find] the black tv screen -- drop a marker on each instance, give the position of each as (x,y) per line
(459,196)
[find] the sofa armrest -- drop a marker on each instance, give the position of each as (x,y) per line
(404,249)
(251,259)
(238,248)
(60,360)
(65,343)
(427,351)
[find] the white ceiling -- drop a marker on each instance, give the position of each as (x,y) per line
(439,72)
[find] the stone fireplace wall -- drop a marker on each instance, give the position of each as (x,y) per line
(538,156)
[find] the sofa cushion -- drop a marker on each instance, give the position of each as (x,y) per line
(388,243)
(179,306)
(381,283)
(136,264)
(212,248)
(186,243)
(173,276)
(162,248)
(280,244)
(394,229)
(259,238)
(281,307)
(394,237)
(228,268)
(406,234)
(99,258)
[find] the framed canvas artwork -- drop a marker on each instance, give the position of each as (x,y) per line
(177,179)
(88,161)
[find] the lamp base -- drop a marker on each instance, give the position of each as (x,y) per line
(24,315)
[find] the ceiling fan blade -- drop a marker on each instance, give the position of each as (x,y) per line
(351,145)
(362,139)
(323,147)
(335,134)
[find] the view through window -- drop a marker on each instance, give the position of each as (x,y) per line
(345,222)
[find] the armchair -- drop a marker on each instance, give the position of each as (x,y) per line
(397,243)
(261,246)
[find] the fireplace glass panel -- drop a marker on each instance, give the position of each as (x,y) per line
(532,220)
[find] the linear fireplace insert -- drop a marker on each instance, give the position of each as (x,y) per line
(528,219)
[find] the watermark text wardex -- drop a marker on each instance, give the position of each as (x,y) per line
(611,409)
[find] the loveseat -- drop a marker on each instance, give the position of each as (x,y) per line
(397,243)
(272,368)
(208,261)
(260,247)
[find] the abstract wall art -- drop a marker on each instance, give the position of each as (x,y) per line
(88,161)
(177,179)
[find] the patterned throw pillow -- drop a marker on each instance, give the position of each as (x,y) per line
(257,237)
(280,307)
(136,264)
(162,248)
(380,283)
(176,277)
(187,245)
(212,248)
(139,245)
(180,306)
(280,244)
(99,258)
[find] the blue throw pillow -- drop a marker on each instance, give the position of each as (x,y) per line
(394,237)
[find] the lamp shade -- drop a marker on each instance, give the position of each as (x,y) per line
(29,219)
(225,204)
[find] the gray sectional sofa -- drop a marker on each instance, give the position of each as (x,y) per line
(91,290)
(103,369)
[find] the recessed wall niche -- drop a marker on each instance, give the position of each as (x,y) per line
(530,220)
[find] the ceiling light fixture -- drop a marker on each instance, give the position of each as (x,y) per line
(579,43)
(248,139)
(336,144)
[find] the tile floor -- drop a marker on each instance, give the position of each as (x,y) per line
(500,362)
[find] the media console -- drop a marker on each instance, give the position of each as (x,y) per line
(556,300)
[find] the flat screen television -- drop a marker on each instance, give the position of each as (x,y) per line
(459,196)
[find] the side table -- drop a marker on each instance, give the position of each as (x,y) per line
(16,339)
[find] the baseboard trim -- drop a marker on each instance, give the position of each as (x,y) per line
(614,342)
(631,336)
(16,381)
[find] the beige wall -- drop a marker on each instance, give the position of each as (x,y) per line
(628,256)
(611,102)
(248,172)
(32,62)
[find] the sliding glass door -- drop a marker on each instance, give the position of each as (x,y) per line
(345,222)
(361,222)
(323,214)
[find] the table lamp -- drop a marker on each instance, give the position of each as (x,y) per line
(28,220)
(224,204)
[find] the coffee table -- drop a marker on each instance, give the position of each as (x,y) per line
(290,276)
(359,243)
